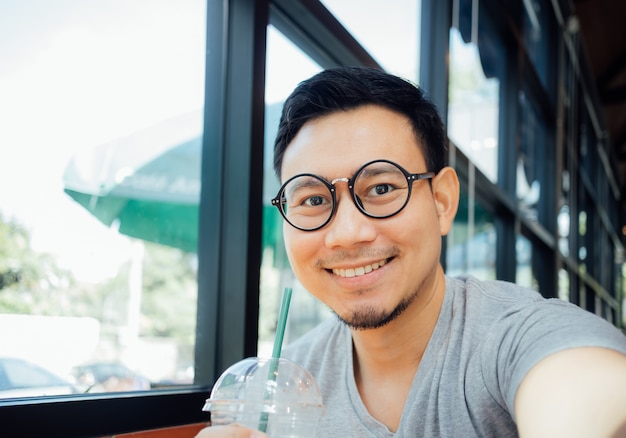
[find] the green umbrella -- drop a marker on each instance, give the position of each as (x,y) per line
(146,184)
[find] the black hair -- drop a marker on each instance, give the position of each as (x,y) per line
(347,88)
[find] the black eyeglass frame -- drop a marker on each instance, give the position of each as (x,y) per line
(411,178)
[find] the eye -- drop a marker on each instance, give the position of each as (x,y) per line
(315,201)
(307,195)
(380,189)
(379,180)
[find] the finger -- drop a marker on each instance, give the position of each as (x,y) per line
(229,432)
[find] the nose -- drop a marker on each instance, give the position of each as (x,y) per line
(349,227)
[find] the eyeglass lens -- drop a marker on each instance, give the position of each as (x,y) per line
(380,189)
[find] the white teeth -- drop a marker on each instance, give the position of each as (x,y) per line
(356,272)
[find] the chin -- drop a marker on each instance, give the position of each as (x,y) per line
(370,318)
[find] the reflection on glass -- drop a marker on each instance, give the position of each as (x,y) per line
(622,287)
(537,39)
(564,285)
(473,107)
(102,106)
(589,145)
(286,67)
(530,158)
(563,226)
(471,244)
(524,274)
(582,223)
(389,33)
(582,232)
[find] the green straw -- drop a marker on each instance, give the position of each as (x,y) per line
(278,346)
(282,323)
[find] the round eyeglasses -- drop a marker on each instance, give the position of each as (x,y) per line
(379,189)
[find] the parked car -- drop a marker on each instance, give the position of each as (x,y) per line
(21,378)
(108,377)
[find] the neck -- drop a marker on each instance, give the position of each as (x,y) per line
(386,359)
(401,343)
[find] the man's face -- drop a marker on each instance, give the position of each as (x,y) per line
(368,271)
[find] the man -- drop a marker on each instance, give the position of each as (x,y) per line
(366,197)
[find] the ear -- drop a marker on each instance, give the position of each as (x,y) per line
(446,192)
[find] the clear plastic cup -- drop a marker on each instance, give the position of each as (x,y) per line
(275,396)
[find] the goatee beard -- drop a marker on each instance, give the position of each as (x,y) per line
(369,318)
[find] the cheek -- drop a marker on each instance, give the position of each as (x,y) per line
(300,247)
(419,213)
(303,251)
(419,228)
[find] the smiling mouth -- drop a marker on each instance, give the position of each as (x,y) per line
(361,270)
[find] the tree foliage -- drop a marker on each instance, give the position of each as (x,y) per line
(32,283)
(169,295)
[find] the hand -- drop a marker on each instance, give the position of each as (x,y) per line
(233,431)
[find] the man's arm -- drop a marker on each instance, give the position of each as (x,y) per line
(579,392)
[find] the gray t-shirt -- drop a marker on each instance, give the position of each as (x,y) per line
(488,336)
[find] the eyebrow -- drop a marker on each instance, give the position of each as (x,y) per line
(304,181)
(377,170)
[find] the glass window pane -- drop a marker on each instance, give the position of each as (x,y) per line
(538,34)
(286,66)
(563,228)
(102,112)
(564,285)
(583,238)
(621,285)
(524,275)
(389,34)
(471,244)
(473,102)
(531,159)
(588,148)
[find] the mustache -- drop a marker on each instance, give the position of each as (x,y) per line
(342,255)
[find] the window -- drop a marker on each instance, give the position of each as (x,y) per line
(473,113)
(539,41)
(471,242)
(99,187)
(390,34)
(525,267)
(564,285)
(532,158)
(304,312)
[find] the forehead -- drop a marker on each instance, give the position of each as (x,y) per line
(336,145)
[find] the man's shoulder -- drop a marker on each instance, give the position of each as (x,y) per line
(503,298)
(492,290)
(498,308)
